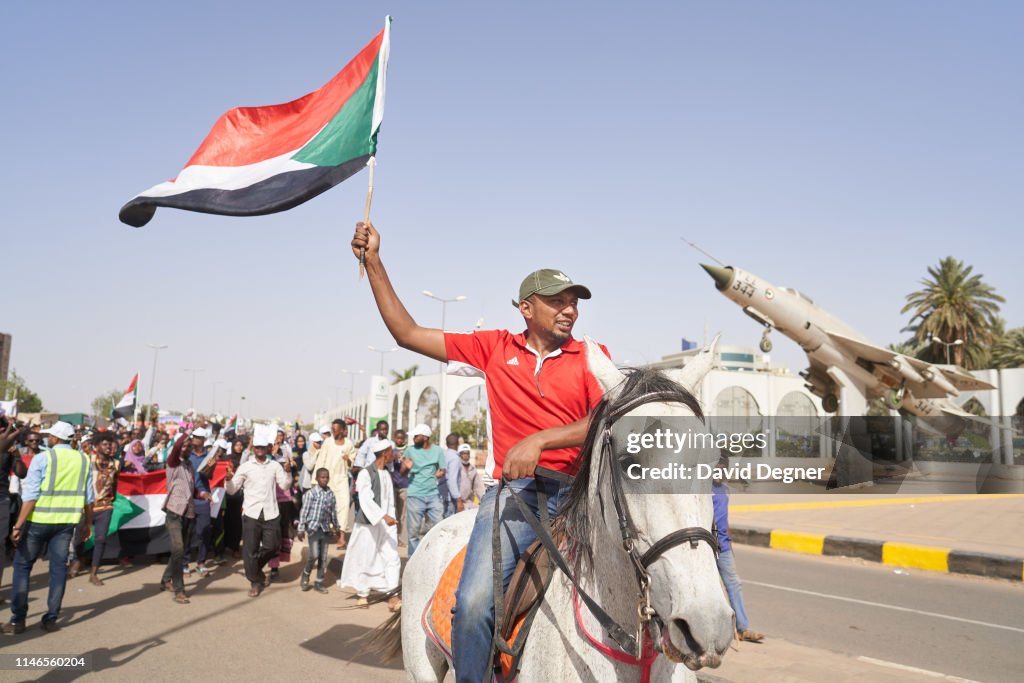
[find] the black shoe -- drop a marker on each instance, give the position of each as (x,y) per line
(320,589)
(274,575)
(50,626)
(12,628)
(305,586)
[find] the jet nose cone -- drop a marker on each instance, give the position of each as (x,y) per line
(721,276)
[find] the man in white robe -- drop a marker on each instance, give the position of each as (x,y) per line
(371,561)
(336,455)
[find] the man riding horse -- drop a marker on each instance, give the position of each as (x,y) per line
(540,392)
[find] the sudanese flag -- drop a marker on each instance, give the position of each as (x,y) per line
(260,160)
(137,525)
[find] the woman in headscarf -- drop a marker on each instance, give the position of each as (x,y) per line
(135,457)
(157,455)
(233,505)
(298,453)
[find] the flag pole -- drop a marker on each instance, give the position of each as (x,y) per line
(135,415)
(372,163)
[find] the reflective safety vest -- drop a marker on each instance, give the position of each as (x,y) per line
(62,493)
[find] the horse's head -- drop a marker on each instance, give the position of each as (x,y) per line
(695,619)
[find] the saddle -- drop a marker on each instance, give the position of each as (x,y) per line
(522,600)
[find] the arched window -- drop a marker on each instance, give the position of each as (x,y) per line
(394,413)
(796,427)
(428,409)
(469,418)
(405,411)
(974,407)
(736,412)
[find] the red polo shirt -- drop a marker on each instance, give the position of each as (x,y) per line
(526,393)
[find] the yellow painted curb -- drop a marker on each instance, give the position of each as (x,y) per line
(872,502)
(916,556)
(797,542)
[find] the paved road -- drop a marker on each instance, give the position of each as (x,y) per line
(135,633)
(953,625)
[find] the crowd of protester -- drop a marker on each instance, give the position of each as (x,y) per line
(318,486)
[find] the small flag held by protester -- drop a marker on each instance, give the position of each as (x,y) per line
(261,160)
(125,408)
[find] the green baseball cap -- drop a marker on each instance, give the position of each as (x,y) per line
(548,282)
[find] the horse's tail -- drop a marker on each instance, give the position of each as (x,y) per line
(385,641)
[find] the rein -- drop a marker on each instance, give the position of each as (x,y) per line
(635,646)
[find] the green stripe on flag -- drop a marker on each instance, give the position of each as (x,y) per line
(347,136)
(124,510)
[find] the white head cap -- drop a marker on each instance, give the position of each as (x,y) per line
(382,445)
(61,430)
(421,430)
(201,432)
(316,438)
(464,448)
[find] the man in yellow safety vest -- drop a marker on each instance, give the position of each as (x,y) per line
(57,492)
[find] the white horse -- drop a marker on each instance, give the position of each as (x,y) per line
(685,589)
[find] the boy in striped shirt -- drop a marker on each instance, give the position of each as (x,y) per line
(319,517)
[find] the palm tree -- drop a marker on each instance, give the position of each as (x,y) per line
(408,373)
(953,305)
(1008,350)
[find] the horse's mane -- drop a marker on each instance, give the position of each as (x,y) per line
(573,523)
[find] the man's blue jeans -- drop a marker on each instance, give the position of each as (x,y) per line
(473,623)
(733,587)
(421,514)
(58,536)
(202,535)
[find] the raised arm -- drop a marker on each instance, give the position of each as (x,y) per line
(407,333)
(174,457)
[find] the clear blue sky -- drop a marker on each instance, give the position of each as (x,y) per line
(841,148)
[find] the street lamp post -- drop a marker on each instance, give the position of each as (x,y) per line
(152,378)
(337,401)
(352,381)
(213,407)
(382,352)
(955,342)
(194,371)
(444,375)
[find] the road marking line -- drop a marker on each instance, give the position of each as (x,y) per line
(914,669)
(925,557)
(797,542)
(874,502)
(879,604)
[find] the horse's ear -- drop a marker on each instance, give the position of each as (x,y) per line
(691,375)
(608,376)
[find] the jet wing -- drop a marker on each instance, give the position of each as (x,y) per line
(961,379)
(860,349)
(958,377)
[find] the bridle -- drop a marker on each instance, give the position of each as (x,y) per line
(641,562)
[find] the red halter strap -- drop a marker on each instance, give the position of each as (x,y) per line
(647,651)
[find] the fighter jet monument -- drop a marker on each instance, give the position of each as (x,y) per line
(841,359)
